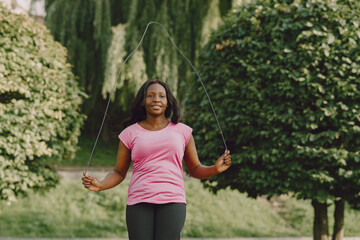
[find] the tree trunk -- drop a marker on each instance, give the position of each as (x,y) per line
(321,227)
(338,233)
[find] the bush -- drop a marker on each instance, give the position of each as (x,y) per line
(39,105)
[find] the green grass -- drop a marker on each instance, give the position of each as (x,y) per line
(104,154)
(72,211)
(231,214)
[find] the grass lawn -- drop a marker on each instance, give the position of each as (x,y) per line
(72,211)
(104,154)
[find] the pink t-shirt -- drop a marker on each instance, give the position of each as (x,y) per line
(157,163)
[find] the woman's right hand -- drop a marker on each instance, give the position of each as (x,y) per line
(91,183)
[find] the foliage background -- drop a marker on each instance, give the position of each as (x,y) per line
(100,36)
(84,28)
(293,65)
(289,102)
(39,106)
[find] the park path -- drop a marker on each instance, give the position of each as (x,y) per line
(76,173)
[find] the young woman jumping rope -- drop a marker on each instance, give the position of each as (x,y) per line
(157,143)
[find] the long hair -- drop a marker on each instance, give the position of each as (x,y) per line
(138,112)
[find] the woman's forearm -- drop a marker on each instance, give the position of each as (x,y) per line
(112,179)
(203,172)
(197,170)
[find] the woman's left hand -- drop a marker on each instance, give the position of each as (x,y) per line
(223,162)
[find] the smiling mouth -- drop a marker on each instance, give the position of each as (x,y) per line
(156,107)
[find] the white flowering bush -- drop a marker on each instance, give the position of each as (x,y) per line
(39,106)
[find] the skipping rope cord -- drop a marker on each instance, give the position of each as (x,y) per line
(123,64)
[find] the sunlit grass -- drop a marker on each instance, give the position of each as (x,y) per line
(231,214)
(72,211)
(67,211)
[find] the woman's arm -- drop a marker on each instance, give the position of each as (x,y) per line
(113,178)
(196,169)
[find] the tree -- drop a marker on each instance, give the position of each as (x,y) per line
(188,24)
(119,11)
(39,106)
(284,77)
(91,44)
(133,75)
(84,28)
(183,20)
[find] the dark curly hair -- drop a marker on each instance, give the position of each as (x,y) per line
(138,112)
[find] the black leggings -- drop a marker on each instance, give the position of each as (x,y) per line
(147,221)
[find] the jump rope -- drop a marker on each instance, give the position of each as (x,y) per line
(121,67)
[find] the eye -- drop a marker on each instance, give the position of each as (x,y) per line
(150,96)
(162,96)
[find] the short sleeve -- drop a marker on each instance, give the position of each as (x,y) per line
(126,137)
(186,131)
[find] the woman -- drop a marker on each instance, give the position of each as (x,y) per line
(156,205)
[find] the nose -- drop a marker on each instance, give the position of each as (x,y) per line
(156,99)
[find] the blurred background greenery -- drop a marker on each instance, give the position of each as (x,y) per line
(284,76)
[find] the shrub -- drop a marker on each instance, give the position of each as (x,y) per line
(39,105)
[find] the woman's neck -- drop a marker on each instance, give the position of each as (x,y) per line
(155,122)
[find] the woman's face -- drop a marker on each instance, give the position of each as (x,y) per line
(155,99)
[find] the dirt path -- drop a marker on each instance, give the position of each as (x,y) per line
(76,173)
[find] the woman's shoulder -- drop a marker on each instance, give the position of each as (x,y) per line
(129,129)
(184,130)
(183,127)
